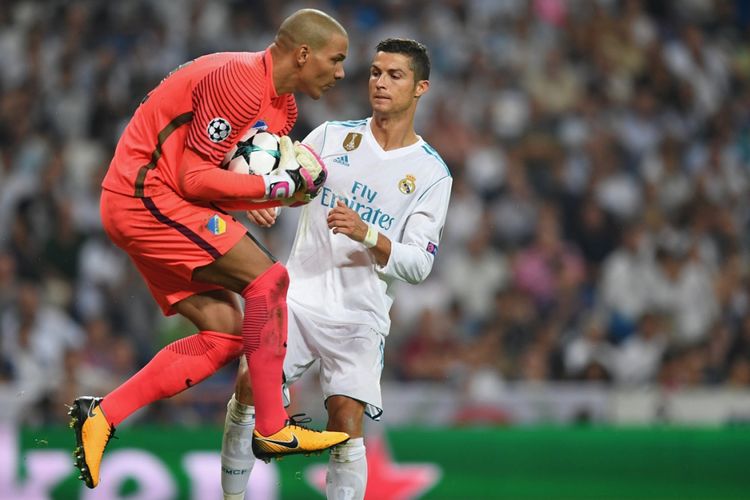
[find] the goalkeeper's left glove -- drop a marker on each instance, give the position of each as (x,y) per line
(299,170)
(310,161)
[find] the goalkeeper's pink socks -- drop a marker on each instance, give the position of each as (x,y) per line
(176,367)
(264,330)
(188,361)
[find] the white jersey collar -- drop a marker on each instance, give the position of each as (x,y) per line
(394,153)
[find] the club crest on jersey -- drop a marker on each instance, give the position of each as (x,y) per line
(218,129)
(216,225)
(352,141)
(407,185)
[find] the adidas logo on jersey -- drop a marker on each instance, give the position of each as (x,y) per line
(342,160)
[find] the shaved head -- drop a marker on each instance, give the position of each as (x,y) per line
(308,27)
(308,53)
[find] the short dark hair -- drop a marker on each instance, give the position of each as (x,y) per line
(417,52)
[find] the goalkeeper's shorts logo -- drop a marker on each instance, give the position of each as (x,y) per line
(217,225)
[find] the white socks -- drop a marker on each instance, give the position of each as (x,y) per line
(347,466)
(347,471)
(237,457)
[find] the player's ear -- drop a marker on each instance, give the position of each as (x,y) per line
(421,88)
(302,53)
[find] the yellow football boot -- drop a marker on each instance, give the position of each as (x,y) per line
(293,439)
(93,432)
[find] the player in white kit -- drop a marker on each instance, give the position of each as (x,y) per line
(378,219)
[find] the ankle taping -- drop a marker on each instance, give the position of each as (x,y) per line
(351,451)
(240,413)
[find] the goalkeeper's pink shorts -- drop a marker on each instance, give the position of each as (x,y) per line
(167,237)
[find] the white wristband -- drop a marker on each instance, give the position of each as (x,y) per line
(371,238)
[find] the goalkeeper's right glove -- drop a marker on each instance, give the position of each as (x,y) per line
(299,170)
(310,161)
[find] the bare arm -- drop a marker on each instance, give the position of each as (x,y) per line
(263,217)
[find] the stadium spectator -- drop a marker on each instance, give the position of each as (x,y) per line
(637,359)
(35,339)
(474,275)
(431,352)
(589,355)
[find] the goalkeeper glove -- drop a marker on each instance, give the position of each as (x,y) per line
(311,162)
(299,171)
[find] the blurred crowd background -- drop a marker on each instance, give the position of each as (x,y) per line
(598,227)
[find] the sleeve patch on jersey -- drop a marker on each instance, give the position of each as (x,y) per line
(432,248)
(218,129)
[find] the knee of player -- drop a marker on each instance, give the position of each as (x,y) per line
(276,276)
(280,274)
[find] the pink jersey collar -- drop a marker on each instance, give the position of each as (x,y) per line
(268,61)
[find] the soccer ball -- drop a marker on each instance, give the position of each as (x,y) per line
(257,152)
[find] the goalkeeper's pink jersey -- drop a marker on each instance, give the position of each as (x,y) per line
(204,106)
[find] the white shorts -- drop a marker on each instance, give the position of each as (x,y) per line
(351,358)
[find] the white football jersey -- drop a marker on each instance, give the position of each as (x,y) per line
(403,193)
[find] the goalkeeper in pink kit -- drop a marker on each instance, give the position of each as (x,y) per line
(163,202)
